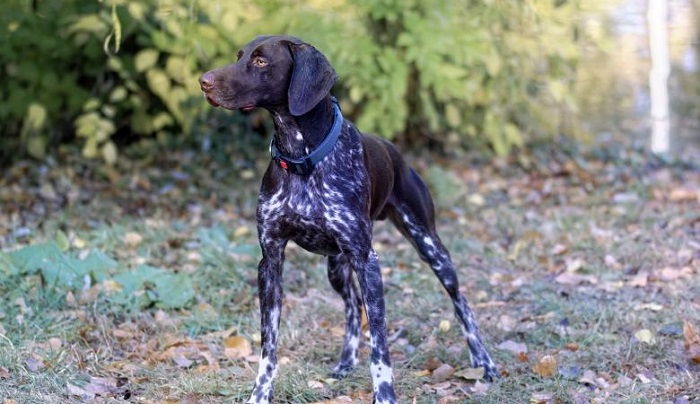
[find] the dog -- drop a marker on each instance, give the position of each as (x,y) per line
(325,185)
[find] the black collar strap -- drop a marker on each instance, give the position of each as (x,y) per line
(305,165)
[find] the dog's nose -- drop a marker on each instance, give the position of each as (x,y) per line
(206,81)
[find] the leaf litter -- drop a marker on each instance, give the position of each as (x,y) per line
(608,247)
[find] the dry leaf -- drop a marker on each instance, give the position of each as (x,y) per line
(106,386)
(444,326)
(315,384)
(546,367)
(588,377)
(559,249)
(684,195)
(480,388)
(541,398)
(649,306)
(237,347)
(471,373)
(241,231)
(512,346)
(691,341)
(443,372)
(34,363)
(643,378)
(77,391)
(645,336)
(190,398)
(132,239)
(570,278)
(421,373)
(574,265)
(572,346)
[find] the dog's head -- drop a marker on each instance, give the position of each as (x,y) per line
(272,72)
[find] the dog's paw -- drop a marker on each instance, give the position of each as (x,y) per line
(342,370)
(491,373)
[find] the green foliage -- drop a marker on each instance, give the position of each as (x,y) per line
(72,271)
(448,73)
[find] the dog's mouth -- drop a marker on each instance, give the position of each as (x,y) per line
(213,103)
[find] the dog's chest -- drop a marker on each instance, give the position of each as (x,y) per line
(310,214)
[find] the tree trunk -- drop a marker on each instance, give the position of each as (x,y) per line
(657,14)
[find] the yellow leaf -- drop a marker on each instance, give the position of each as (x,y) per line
(132,239)
(691,341)
(546,367)
(444,326)
(471,373)
(645,336)
(237,347)
(241,231)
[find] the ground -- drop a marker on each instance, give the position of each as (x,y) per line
(138,282)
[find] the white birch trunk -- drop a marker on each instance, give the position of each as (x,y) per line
(657,13)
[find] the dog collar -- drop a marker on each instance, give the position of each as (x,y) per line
(305,165)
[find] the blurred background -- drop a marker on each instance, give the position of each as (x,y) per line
(115,77)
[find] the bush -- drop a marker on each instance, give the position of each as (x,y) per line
(445,73)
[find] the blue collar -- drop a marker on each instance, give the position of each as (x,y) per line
(305,165)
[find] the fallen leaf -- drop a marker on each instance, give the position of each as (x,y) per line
(132,239)
(559,249)
(643,378)
(683,195)
(639,280)
(443,372)
(314,384)
(444,326)
(570,372)
(572,346)
(649,306)
(512,346)
(570,278)
(106,386)
(189,398)
(691,341)
(471,373)
(645,336)
(34,363)
(480,388)
(588,377)
(77,391)
(574,265)
(237,347)
(624,381)
(421,373)
(546,366)
(541,398)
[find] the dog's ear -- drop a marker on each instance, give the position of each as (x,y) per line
(312,78)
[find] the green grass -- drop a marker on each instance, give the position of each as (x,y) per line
(509,253)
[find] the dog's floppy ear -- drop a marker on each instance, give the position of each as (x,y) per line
(312,78)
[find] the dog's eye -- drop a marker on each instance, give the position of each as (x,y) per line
(260,62)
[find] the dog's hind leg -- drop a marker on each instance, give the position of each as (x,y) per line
(341,278)
(413,215)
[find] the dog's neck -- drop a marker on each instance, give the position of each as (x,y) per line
(296,136)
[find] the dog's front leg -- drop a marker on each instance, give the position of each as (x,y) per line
(370,279)
(270,294)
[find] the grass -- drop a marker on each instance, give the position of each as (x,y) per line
(573,266)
